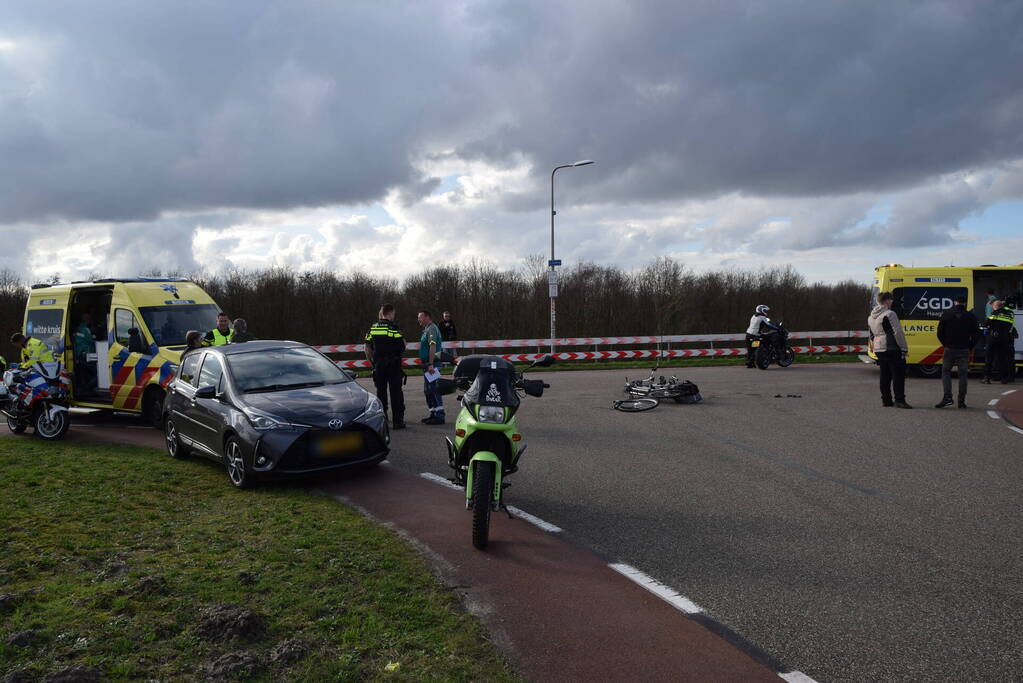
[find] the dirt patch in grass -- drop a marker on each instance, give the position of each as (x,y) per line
(124,564)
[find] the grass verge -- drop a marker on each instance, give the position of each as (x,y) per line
(141,567)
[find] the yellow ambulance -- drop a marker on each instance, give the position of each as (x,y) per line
(921,295)
(131,333)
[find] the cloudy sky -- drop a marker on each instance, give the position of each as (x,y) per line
(386,136)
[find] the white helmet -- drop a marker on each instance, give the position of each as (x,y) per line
(762,309)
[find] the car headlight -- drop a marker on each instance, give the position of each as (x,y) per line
(493,414)
(373,407)
(264,422)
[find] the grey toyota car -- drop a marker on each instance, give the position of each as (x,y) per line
(271,408)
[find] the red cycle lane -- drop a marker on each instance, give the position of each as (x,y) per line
(558,611)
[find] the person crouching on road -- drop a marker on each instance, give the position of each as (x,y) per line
(891,348)
(958,332)
(429,351)
(32,350)
(221,334)
(384,348)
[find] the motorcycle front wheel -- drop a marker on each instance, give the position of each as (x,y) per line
(16,427)
(787,357)
(482,491)
(51,430)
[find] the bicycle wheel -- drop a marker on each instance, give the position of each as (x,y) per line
(635,405)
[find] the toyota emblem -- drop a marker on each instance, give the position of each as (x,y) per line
(335,424)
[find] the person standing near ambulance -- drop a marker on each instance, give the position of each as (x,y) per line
(891,348)
(221,334)
(32,350)
(384,348)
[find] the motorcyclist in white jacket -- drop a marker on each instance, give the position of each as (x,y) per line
(757,323)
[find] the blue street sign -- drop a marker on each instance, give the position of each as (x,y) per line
(554,262)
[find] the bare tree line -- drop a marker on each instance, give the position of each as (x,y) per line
(488,302)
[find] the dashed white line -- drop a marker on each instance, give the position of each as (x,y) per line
(992,402)
(1006,393)
(797,677)
(993,415)
(437,479)
(1015,429)
(669,595)
(532,519)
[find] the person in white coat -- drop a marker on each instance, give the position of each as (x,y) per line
(891,348)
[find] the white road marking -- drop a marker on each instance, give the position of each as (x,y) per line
(993,415)
(546,526)
(1015,429)
(669,595)
(992,402)
(1006,393)
(532,519)
(797,677)
(437,479)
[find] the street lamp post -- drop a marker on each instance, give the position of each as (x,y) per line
(552,278)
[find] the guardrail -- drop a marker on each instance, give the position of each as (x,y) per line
(596,342)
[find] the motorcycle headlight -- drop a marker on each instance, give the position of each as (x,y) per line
(492,414)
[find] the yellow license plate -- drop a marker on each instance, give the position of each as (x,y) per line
(340,444)
(755,344)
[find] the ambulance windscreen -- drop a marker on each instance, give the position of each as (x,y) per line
(170,324)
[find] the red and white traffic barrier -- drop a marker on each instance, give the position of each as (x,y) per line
(600,341)
(626,355)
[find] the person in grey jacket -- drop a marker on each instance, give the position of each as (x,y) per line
(890,347)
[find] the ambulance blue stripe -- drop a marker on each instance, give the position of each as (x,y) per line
(116,366)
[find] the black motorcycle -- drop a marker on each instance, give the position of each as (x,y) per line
(773,347)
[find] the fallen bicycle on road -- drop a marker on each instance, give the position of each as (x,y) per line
(646,394)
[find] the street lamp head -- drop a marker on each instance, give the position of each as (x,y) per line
(584,162)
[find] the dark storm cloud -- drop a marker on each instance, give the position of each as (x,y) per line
(121,111)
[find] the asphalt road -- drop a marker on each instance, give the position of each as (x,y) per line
(849,541)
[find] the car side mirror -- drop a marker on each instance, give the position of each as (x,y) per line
(208,391)
(349,373)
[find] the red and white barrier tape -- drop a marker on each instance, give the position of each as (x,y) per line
(624,355)
(599,341)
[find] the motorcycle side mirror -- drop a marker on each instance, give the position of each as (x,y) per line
(533,387)
(463,383)
(208,391)
(544,362)
(446,386)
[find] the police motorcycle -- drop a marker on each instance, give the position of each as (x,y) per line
(773,347)
(38,396)
(486,448)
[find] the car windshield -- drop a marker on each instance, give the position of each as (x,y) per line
(170,324)
(281,369)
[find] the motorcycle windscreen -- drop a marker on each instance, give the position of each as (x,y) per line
(493,387)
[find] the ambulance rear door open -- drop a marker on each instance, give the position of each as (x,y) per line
(1008,284)
(95,301)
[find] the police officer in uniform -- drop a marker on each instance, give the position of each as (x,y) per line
(221,334)
(384,347)
(1000,326)
(32,349)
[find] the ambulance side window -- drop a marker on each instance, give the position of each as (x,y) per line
(189,368)
(124,320)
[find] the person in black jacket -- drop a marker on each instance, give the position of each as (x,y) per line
(384,348)
(447,328)
(958,332)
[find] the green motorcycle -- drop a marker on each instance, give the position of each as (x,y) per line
(487,445)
